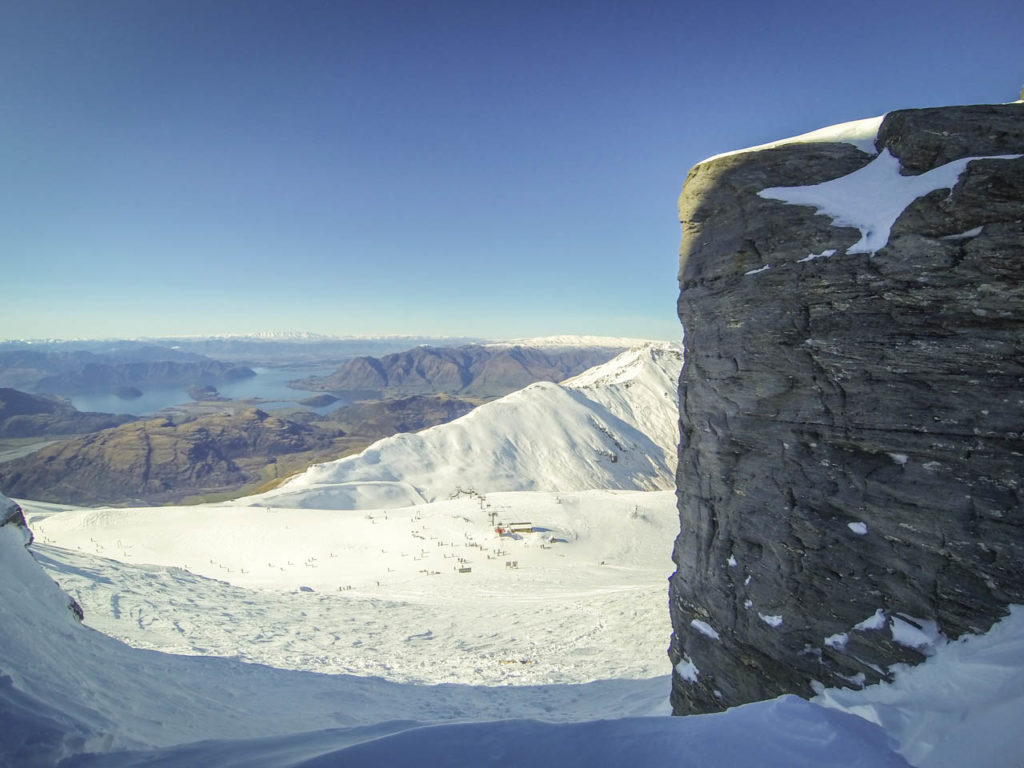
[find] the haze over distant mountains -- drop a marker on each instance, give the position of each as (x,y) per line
(71,371)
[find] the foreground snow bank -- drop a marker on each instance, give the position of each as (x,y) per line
(962,707)
(784,733)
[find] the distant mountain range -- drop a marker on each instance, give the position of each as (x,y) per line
(253,349)
(613,427)
(127,368)
(470,370)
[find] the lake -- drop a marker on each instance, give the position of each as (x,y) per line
(268,384)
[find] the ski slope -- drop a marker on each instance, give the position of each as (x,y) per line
(382,593)
(76,693)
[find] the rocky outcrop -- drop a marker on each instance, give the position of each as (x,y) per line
(851,407)
(12,515)
(469,370)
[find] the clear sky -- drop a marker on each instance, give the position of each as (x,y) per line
(468,167)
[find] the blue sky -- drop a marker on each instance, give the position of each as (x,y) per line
(481,168)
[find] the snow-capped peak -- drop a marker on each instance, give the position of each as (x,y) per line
(660,358)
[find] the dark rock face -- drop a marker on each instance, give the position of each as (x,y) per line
(11,514)
(851,424)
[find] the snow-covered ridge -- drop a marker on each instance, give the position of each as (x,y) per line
(614,427)
(640,386)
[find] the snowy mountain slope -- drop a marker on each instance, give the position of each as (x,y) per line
(613,427)
(639,386)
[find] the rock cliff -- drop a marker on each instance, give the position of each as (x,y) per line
(851,458)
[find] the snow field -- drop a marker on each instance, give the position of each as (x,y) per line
(387,598)
(69,688)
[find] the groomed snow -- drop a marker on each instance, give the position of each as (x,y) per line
(573,601)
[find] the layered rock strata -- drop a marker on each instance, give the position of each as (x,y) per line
(852,404)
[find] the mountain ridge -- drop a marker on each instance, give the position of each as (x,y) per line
(470,370)
(547,436)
